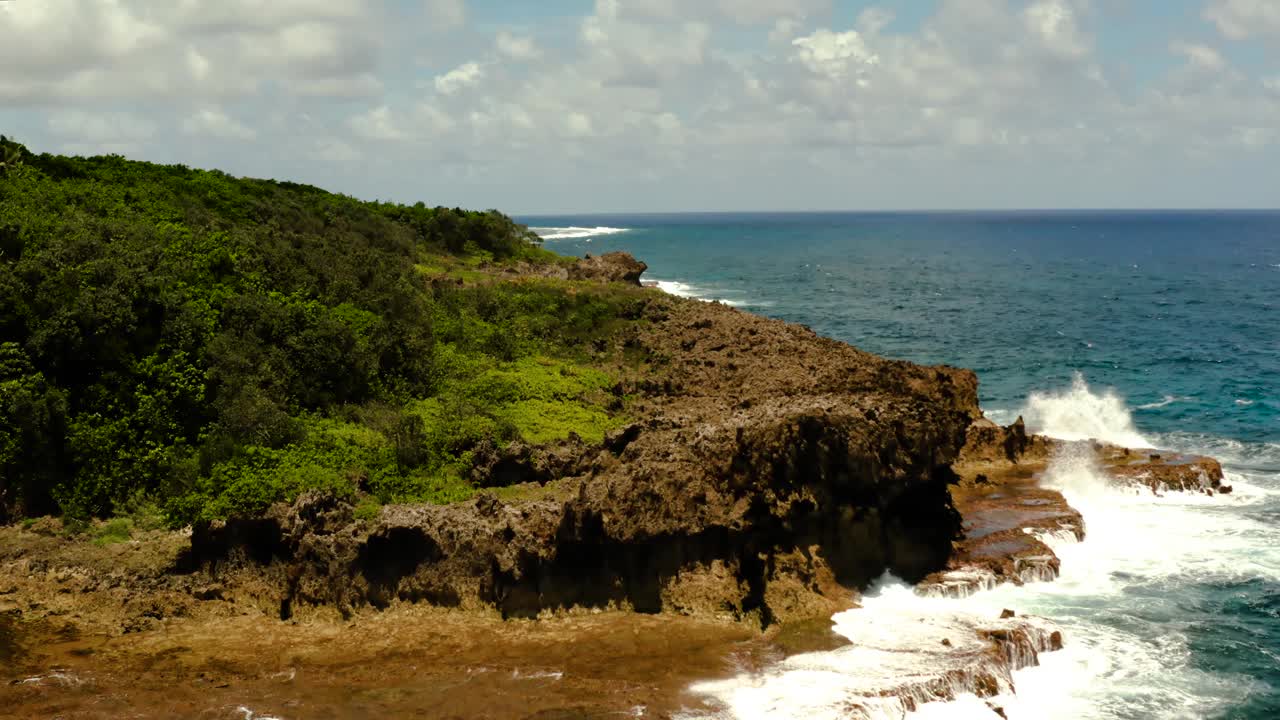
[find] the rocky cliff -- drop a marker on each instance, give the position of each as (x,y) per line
(767,472)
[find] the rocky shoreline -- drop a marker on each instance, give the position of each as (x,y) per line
(765,471)
(767,476)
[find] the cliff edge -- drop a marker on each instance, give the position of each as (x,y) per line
(766,472)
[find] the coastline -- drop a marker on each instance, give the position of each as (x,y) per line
(784,419)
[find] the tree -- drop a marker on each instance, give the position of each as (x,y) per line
(32,435)
(11,154)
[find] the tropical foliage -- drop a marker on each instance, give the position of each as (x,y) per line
(214,344)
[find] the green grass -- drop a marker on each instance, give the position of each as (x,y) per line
(113,532)
(544,421)
(368,509)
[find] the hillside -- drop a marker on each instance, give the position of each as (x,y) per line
(321,388)
(183,345)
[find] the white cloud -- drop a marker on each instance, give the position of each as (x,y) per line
(377,124)
(100,128)
(463,76)
(118,49)
(432,120)
(784,29)
(1200,56)
(625,52)
(215,123)
(761,101)
(197,64)
(1054,22)
(336,151)
(41,40)
(517,47)
(835,55)
(1238,19)
(579,125)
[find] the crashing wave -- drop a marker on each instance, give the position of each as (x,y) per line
(684,290)
(575,233)
(906,652)
(1080,414)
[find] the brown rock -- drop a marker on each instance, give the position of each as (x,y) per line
(1168,472)
(610,267)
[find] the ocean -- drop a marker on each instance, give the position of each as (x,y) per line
(1141,328)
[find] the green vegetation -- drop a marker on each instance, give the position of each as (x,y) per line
(113,531)
(199,346)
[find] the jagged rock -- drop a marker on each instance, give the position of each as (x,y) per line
(610,267)
(519,462)
(1170,472)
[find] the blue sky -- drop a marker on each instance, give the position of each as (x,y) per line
(669,105)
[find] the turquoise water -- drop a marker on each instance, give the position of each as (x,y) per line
(1159,326)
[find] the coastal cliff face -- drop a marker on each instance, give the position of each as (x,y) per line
(766,472)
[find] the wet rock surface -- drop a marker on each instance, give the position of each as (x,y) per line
(410,662)
(1163,472)
(1008,510)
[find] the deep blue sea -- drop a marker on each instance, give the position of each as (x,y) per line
(1155,327)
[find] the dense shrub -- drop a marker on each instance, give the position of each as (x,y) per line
(215,344)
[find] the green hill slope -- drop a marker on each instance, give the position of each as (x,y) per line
(208,345)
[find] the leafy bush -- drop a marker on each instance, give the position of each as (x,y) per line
(114,531)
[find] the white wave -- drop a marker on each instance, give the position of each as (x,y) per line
(575,233)
(898,638)
(1167,401)
(1243,402)
(679,289)
(1125,656)
(685,290)
(1080,414)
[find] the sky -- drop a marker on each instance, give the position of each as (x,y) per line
(575,106)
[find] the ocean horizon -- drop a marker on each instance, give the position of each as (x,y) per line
(534,218)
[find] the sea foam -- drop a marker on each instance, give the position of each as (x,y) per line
(1080,414)
(575,233)
(685,290)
